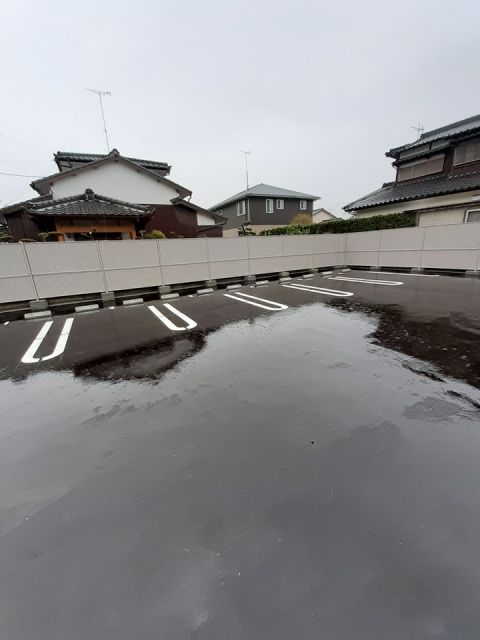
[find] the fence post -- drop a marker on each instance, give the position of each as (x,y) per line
(30,272)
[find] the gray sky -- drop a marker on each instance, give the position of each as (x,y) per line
(317,91)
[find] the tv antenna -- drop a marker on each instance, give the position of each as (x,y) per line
(419,129)
(246,153)
(100,94)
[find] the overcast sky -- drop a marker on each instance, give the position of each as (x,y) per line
(317,91)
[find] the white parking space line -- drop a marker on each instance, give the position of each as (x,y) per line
(5,323)
(190,324)
(312,289)
(415,275)
(387,283)
(29,356)
(269,305)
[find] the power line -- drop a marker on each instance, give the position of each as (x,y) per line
(18,175)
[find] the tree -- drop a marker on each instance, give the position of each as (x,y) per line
(302,218)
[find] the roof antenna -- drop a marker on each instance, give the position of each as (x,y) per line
(419,129)
(247,153)
(100,94)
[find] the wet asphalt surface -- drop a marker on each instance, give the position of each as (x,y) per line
(311,472)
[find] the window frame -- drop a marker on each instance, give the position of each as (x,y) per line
(268,201)
(279,204)
(303,205)
(241,208)
(467,212)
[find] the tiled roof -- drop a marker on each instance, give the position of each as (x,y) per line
(266,191)
(67,156)
(422,188)
(87,204)
(11,208)
(451,130)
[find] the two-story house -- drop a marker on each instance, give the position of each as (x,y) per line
(263,207)
(437,177)
(108,197)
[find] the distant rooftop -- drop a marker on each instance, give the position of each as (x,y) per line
(66,160)
(448,131)
(266,191)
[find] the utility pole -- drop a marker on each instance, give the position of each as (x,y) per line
(100,94)
(246,153)
(419,129)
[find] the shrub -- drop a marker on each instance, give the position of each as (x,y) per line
(154,234)
(374,223)
(302,218)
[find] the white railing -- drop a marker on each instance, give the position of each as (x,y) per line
(48,270)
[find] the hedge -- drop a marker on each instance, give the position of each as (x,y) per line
(392,221)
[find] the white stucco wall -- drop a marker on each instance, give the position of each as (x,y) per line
(115,180)
(427,219)
(204,220)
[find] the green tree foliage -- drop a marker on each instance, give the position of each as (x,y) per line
(392,221)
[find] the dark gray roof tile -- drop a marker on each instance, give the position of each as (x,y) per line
(422,188)
(87,204)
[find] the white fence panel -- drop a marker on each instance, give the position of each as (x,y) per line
(52,285)
(266,254)
(130,264)
(49,270)
(408,239)
(16,283)
(66,257)
(405,259)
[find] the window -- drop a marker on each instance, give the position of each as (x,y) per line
(303,205)
(420,168)
(467,152)
(280,204)
(269,205)
(472,215)
(241,208)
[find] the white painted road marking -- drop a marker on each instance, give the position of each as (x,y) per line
(312,289)
(5,323)
(269,305)
(29,356)
(168,323)
(387,283)
(415,275)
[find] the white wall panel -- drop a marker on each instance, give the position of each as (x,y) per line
(408,239)
(297,262)
(118,279)
(54,257)
(265,247)
(69,284)
(229,269)
(13,261)
(129,253)
(186,273)
(405,259)
(186,251)
(461,236)
(297,245)
(16,288)
(266,265)
(363,241)
(452,259)
(361,258)
(227,249)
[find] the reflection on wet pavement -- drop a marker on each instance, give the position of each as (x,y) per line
(311,473)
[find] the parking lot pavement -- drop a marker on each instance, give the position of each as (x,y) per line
(299,459)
